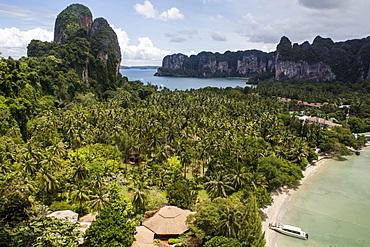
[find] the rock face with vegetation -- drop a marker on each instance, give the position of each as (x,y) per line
(88,47)
(207,64)
(323,60)
(70,20)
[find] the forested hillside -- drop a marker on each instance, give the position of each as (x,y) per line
(76,135)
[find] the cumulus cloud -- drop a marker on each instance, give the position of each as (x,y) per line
(217,35)
(148,11)
(171,14)
(13,41)
(145,51)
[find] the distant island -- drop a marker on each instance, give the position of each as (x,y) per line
(323,60)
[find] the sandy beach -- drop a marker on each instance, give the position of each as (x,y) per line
(282,197)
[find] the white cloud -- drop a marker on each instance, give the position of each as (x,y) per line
(145,53)
(148,11)
(171,14)
(13,41)
(217,35)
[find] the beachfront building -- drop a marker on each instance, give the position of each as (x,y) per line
(323,122)
(168,222)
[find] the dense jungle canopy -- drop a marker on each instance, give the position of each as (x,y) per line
(121,148)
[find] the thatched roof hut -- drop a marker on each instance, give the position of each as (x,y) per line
(169,220)
(65,214)
(143,237)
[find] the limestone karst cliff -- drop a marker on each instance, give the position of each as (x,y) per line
(323,60)
(90,47)
(105,41)
(70,20)
(207,64)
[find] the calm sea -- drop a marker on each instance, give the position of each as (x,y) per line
(180,83)
(333,206)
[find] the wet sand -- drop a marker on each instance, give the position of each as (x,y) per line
(282,197)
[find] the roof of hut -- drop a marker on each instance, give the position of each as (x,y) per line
(169,220)
(143,237)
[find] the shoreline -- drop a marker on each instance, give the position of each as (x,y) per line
(282,197)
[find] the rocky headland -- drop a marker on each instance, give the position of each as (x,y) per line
(323,60)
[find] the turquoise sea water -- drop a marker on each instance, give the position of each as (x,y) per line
(333,206)
(180,83)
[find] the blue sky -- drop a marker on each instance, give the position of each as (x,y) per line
(148,30)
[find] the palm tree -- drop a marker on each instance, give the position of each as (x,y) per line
(229,222)
(48,183)
(80,195)
(81,173)
(98,202)
(139,195)
(238,176)
(218,187)
(51,161)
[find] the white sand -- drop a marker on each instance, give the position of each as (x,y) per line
(281,198)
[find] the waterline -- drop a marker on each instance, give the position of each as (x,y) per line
(180,83)
(333,206)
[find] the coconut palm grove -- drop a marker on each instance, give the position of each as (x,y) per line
(77,135)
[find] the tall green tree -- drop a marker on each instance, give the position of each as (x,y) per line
(182,193)
(114,225)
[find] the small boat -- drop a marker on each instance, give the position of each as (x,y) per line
(292,231)
(357,152)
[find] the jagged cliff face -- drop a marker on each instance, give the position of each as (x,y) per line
(290,66)
(174,61)
(303,70)
(70,20)
(105,41)
(251,65)
(75,23)
(89,48)
(323,60)
(207,64)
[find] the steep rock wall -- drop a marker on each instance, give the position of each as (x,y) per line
(70,20)
(206,64)
(105,41)
(303,70)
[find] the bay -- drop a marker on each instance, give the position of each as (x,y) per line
(333,206)
(180,83)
